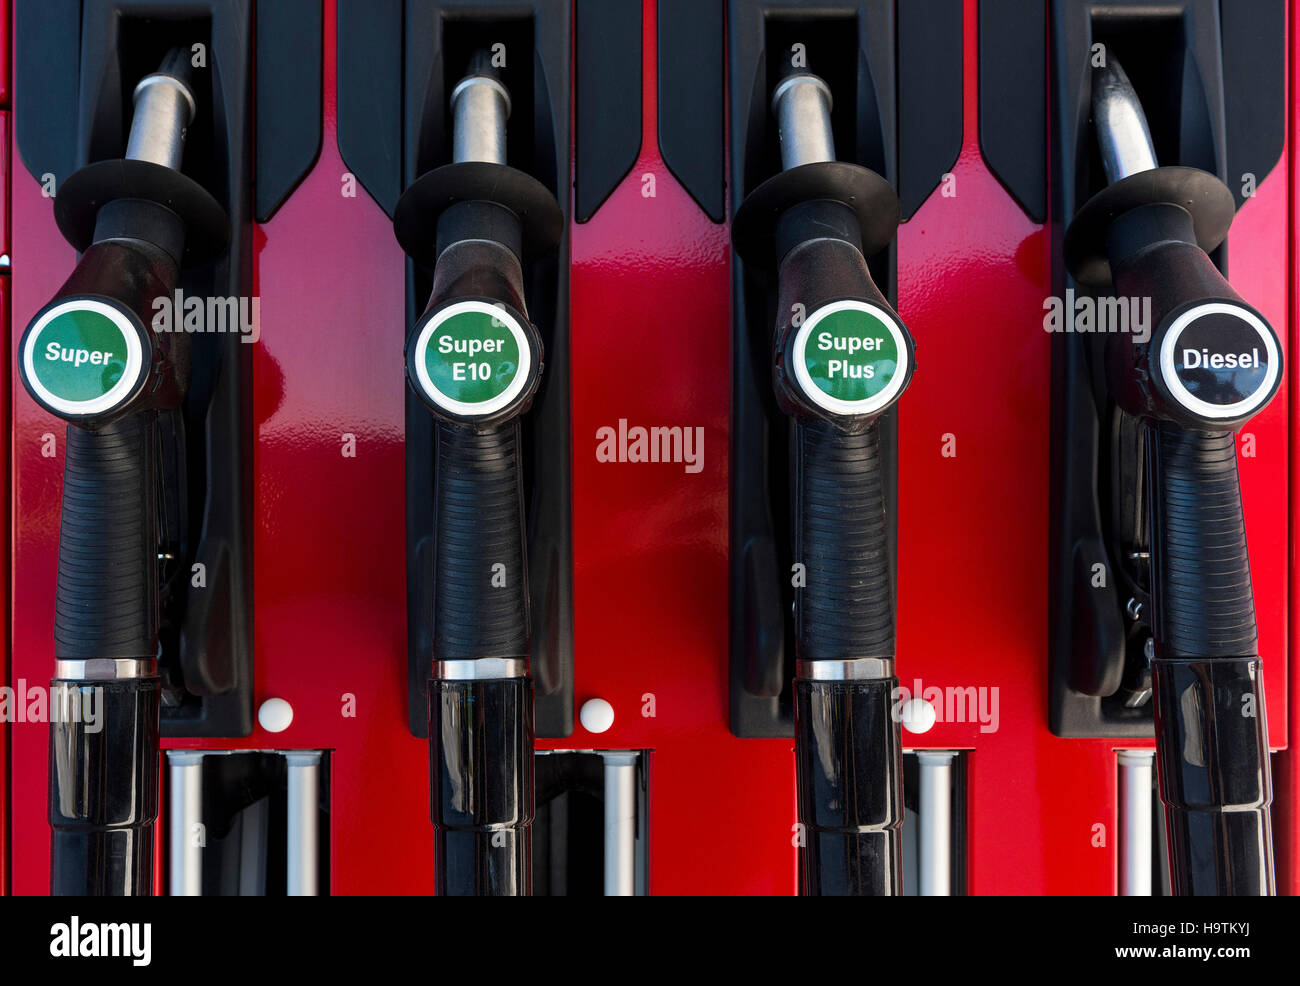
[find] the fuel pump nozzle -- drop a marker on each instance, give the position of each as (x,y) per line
(1210,364)
(475,360)
(841,358)
(92,358)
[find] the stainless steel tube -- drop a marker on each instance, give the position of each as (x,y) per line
(185,823)
(303,838)
(163,110)
(620,822)
(480,106)
(934,809)
(1135,798)
(802,104)
(1122,133)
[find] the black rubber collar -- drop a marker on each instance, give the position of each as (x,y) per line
(1208,201)
(415,220)
(77,205)
(872,199)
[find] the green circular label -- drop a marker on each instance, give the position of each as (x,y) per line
(472,357)
(850,357)
(82,357)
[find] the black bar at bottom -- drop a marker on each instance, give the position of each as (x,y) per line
(481,786)
(850,788)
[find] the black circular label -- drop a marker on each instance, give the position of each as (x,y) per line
(1219,360)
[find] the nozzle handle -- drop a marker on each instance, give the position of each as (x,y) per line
(106,604)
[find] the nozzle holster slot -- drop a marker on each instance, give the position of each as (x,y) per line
(417,56)
(874,62)
(1100,570)
(79,66)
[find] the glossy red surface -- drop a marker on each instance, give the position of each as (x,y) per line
(650,297)
(651,337)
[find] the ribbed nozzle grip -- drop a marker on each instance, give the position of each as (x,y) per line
(846,609)
(480,568)
(1204,605)
(106,603)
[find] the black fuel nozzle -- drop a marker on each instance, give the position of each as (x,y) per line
(1209,364)
(93,357)
(841,355)
(841,358)
(475,359)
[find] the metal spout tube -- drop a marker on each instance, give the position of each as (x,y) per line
(163,110)
(802,104)
(1122,132)
(480,106)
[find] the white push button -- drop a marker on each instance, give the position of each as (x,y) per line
(274,715)
(596,715)
(918,715)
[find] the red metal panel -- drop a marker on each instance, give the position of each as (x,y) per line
(44,261)
(651,328)
(973,269)
(329,567)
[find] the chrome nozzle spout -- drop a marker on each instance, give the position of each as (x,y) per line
(163,110)
(480,106)
(802,105)
(1122,132)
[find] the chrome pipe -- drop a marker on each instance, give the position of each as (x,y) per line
(802,104)
(1122,132)
(480,106)
(303,837)
(1135,796)
(620,822)
(185,836)
(163,110)
(934,811)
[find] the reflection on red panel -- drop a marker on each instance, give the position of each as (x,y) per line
(650,337)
